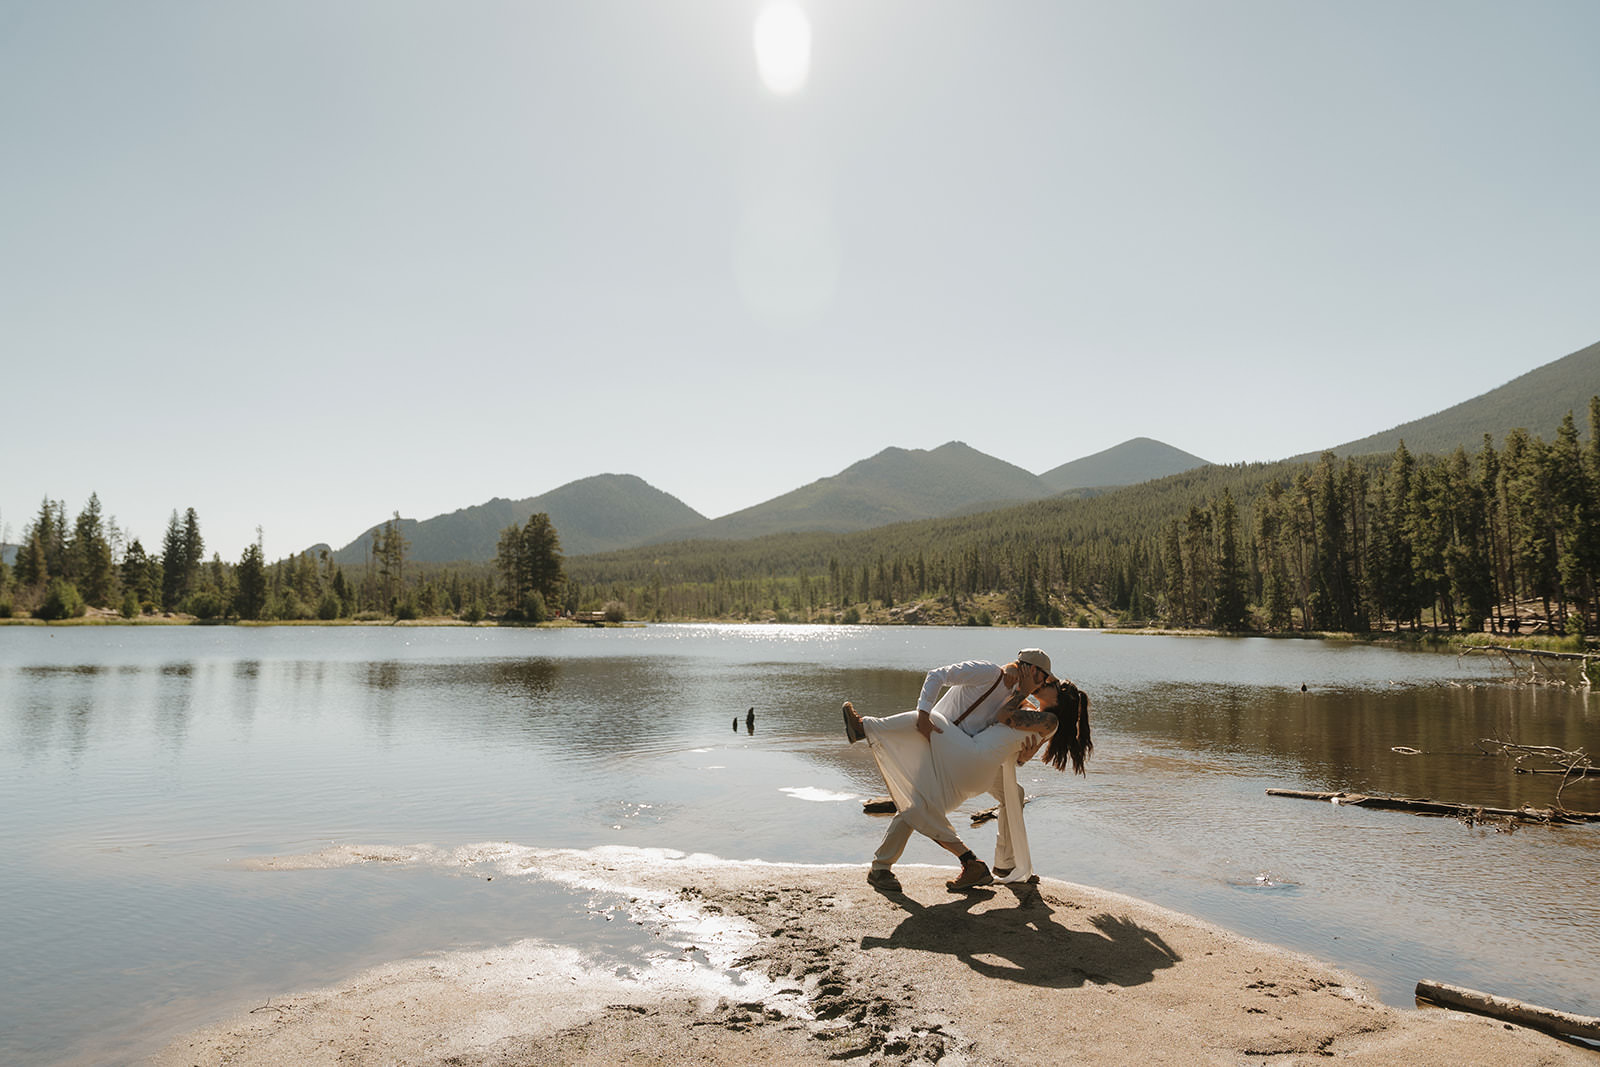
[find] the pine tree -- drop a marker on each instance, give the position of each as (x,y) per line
(389,549)
(1231,612)
(137,573)
(194,548)
(90,551)
(251,598)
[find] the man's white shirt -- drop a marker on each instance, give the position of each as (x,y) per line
(967,681)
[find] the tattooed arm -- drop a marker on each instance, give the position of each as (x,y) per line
(1031,720)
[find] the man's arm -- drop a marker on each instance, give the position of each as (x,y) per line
(967,672)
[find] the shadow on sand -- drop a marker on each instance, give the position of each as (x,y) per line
(1026,943)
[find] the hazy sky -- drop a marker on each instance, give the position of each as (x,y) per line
(304,264)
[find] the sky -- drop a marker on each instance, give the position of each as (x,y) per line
(301,265)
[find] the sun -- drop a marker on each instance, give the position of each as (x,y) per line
(783,47)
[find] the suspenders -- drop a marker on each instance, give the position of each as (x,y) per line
(980,700)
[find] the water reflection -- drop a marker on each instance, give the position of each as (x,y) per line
(1419,742)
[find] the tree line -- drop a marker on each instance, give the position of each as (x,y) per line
(1506,535)
(1400,541)
(63,568)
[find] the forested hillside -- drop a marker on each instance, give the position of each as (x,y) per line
(1399,540)
(1536,402)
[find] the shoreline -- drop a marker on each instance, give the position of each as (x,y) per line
(775,963)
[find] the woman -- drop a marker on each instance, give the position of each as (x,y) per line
(930,778)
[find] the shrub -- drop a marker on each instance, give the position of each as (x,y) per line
(474,612)
(615,611)
(130,604)
(6,609)
(534,608)
(328,607)
(61,601)
(851,616)
(206,604)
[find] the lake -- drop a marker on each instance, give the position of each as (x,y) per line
(148,773)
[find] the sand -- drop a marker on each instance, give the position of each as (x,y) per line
(774,964)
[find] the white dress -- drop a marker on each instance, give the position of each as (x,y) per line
(930,779)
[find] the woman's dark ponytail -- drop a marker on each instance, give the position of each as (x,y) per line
(1071,740)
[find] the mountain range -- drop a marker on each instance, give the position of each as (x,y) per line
(613,511)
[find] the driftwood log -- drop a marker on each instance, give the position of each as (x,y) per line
(1436,807)
(1508,1010)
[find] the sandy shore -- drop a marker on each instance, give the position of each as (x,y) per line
(770,964)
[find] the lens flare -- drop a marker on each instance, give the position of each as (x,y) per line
(783,48)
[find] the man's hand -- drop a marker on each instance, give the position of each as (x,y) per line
(925,725)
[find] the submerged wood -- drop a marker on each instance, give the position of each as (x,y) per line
(1436,807)
(1576,772)
(1504,1008)
(1534,656)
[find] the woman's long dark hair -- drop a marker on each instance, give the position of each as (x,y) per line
(1071,739)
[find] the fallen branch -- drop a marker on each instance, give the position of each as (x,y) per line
(1571,764)
(1508,1010)
(1472,812)
(1576,772)
(1534,656)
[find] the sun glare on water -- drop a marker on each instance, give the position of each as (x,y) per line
(783,48)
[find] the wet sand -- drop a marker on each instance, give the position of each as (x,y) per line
(764,963)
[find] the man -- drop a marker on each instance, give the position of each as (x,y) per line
(974,693)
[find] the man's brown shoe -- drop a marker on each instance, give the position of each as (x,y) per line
(884,879)
(972,876)
(852,724)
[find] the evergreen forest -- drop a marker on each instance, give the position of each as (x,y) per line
(1505,537)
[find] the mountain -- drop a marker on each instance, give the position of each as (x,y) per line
(1130,463)
(896,485)
(1535,402)
(593,514)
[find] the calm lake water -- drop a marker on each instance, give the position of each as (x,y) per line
(143,771)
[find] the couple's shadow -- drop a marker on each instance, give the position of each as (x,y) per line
(1027,944)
